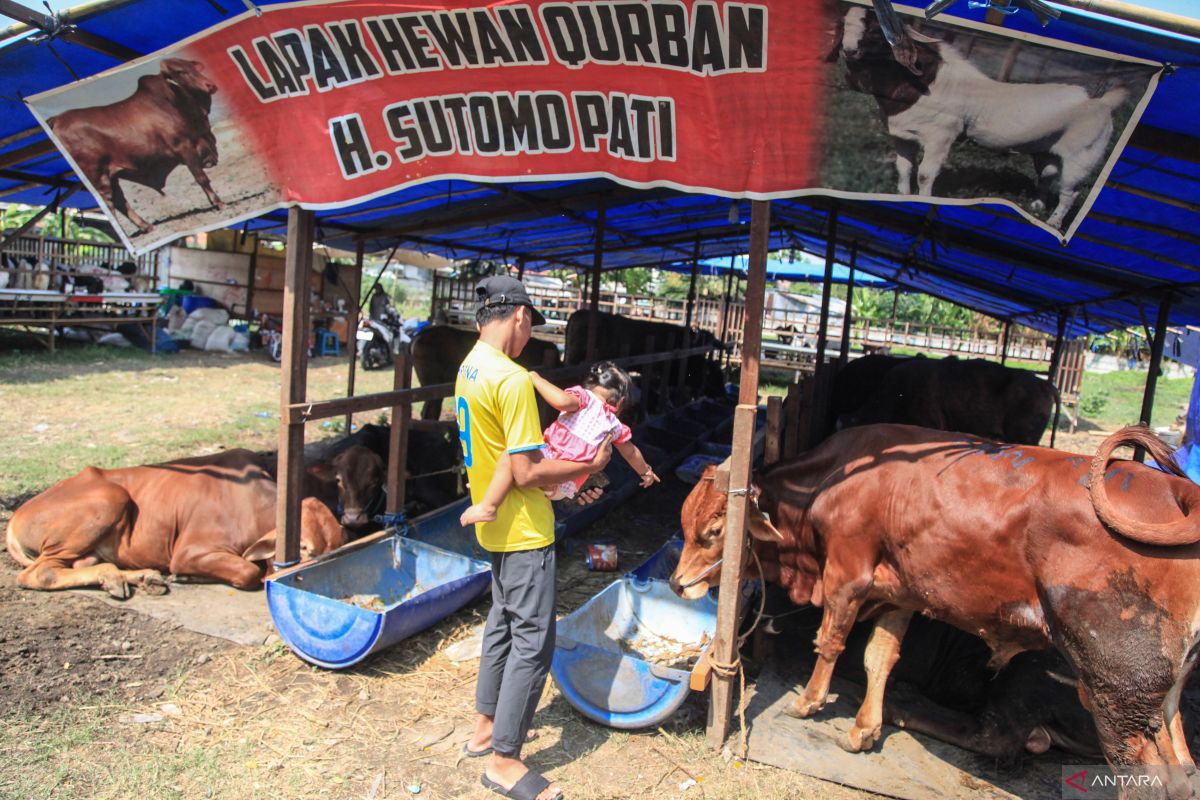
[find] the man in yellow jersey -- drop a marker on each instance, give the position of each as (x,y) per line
(497,413)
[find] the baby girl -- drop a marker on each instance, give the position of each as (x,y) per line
(587,415)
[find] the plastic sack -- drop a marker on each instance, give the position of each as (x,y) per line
(221,339)
(200,332)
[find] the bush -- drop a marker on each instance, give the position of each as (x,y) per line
(1093,404)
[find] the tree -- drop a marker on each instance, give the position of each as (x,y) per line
(76,226)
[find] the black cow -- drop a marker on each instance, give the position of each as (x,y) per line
(971,396)
(619,336)
(438,350)
(144,137)
(945,687)
(433,461)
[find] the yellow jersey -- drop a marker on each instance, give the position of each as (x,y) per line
(497,413)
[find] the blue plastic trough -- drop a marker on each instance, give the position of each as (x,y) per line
(618,657)
(404,587)
(404,584)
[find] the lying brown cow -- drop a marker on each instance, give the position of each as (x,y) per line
(1002,541)
(144,137)
(209,517)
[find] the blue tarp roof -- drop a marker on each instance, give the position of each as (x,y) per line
(808,269)
(1141,238)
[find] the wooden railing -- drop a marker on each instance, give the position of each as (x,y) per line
(790,335)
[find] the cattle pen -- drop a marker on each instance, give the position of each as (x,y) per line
(1123,257)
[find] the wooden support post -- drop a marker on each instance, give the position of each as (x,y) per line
(827,286)
(1052,373)
(774,426)
(725,303)
(691,297)
(791,425)
(293,384)
(734,554)
(1004,342)
(352,327)
(398,437)
(1156,351)
(250,280)
(597,264)
(848,316)
(725,645)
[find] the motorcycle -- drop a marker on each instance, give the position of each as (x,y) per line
(380,341)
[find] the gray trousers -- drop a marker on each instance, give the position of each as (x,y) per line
(518,644)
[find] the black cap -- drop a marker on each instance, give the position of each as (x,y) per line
(502,290)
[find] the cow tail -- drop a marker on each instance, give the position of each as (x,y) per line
(1169,534)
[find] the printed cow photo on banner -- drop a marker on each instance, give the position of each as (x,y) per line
(158,147)
(973,115)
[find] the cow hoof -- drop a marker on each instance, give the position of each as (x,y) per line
(117,587)
(802,709)
(153,584)
(859,740)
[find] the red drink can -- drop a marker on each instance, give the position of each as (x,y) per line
(602,557)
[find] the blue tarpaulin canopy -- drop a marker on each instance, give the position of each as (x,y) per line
(805,268)
(1141,238)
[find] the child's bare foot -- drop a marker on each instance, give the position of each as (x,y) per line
(477,513)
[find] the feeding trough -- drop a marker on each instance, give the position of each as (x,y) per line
(340,609)
(624,658)
(348,604)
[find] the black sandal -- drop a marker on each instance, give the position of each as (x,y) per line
(528,788)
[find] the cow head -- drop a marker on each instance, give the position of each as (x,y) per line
(703,520)
(358,475)
(188,75)
(319,533)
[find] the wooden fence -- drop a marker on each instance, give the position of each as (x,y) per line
(789,337)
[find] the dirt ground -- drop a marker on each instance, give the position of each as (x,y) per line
(100,702)
(96,701)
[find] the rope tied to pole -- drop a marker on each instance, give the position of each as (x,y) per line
(735,667)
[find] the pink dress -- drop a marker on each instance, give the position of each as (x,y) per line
(577,436)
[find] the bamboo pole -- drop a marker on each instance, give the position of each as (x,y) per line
(293,384)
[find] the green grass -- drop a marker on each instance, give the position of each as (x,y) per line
(1115,398)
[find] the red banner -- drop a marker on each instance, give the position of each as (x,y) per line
(328,104)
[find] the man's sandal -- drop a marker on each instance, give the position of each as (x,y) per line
(487,751)
(528,788)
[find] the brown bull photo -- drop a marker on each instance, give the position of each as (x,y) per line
(164,124)
(1026,547)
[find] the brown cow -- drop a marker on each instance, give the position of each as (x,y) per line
(1002,541)
(209,517)
(144,137)
(439,349)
